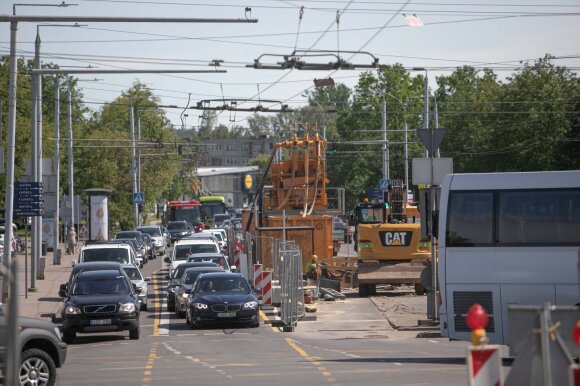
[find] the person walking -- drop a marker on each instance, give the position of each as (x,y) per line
(71,241)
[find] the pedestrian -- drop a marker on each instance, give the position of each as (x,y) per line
(71,241)
(312,268)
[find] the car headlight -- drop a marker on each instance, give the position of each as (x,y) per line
(127,308)
(72,310)
(200,306)
(250,304)
(57,332)
(185,295)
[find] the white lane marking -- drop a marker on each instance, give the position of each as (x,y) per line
(397,364)
(329,350)
(198,361)
(432,341)
(163,319)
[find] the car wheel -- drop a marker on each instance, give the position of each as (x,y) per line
(37,368)
(68,337)
(170,306)
(134,334)
(144,306)
(255,324)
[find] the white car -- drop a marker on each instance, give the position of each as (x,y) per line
(156,234)
(103,251)
(219,236)
(182,249)
(141,283)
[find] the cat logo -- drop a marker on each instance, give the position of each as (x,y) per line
(396,239)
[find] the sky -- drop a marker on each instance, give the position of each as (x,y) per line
(492,33)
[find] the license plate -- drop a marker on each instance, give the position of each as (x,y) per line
(100,322)
(226,314)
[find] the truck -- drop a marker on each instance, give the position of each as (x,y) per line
(388,242)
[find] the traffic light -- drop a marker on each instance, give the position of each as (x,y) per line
(334,149)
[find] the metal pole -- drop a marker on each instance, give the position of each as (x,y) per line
(13,343)
(406,154)
(426,107)
(545,344)
(436,118)
(56,250)
(26,258)
(71,188)
(133,164)
(385,144)
(433,239)
(138,152)
(34,174)
(38,66)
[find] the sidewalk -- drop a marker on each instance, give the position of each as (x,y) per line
(45,300)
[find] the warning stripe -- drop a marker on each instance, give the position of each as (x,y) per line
(267,288)
(479,358)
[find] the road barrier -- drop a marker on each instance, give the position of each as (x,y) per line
(266,285)
(258,271)
(484,365)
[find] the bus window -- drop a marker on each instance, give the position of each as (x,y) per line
(470,219)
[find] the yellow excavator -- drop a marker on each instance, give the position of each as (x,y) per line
(388,242)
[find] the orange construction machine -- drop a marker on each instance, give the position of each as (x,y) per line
(293,195)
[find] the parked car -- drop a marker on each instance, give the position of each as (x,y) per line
(139,282)
(183,290)
(178,230)
(183,248)
(156,233)
(174,281)
(222,297)
(100,301)
(42,350)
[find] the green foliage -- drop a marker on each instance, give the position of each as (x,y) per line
(260,160)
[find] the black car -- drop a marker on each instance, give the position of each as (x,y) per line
(186,282)
(178,230)
(175,281)
(100,301)
(42,350)
(222,297)
(92,266)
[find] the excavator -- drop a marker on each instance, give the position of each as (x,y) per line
(388,242)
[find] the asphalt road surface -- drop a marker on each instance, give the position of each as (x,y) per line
(349,344)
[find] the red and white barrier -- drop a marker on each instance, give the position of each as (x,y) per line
(574,375)
(484,365)
(267,288)
(258,271)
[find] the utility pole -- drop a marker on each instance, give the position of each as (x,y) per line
(34,173)
(133,164)
(139,151)
(39,170)
(71,184)
(386,171)
(56,250)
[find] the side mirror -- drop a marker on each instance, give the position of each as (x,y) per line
(62,290)
(138,290)
(167,259)
(257,290)
(233,268)
(73,263)
(147,279)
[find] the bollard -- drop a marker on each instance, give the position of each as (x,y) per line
(41,266)
(56,255)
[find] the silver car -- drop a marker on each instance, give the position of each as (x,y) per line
(138,281)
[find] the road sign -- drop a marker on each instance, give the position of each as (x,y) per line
(28,199)
(375,194)
(431,138)
(384,184)
(138,198)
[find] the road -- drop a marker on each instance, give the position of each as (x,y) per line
(350,343)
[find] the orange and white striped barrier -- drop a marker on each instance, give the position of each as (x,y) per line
(266,285)
(258,271)
(484,365)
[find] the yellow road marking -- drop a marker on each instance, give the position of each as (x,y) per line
(157,318)
(148,369)
(266,319)
(328,376)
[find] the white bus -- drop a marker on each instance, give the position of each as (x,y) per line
(507,239)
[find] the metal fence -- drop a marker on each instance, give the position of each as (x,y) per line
(284,259)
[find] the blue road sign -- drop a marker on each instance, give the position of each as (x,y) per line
(384,183)
(138,198)
(375,194)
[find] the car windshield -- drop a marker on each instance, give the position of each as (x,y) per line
(176,226)
(127,235)
(133,273)
(182,252)
(117,255)
(189,277)
(221,261)
(218,236)
(153,232)
(236,284)
(106,286)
